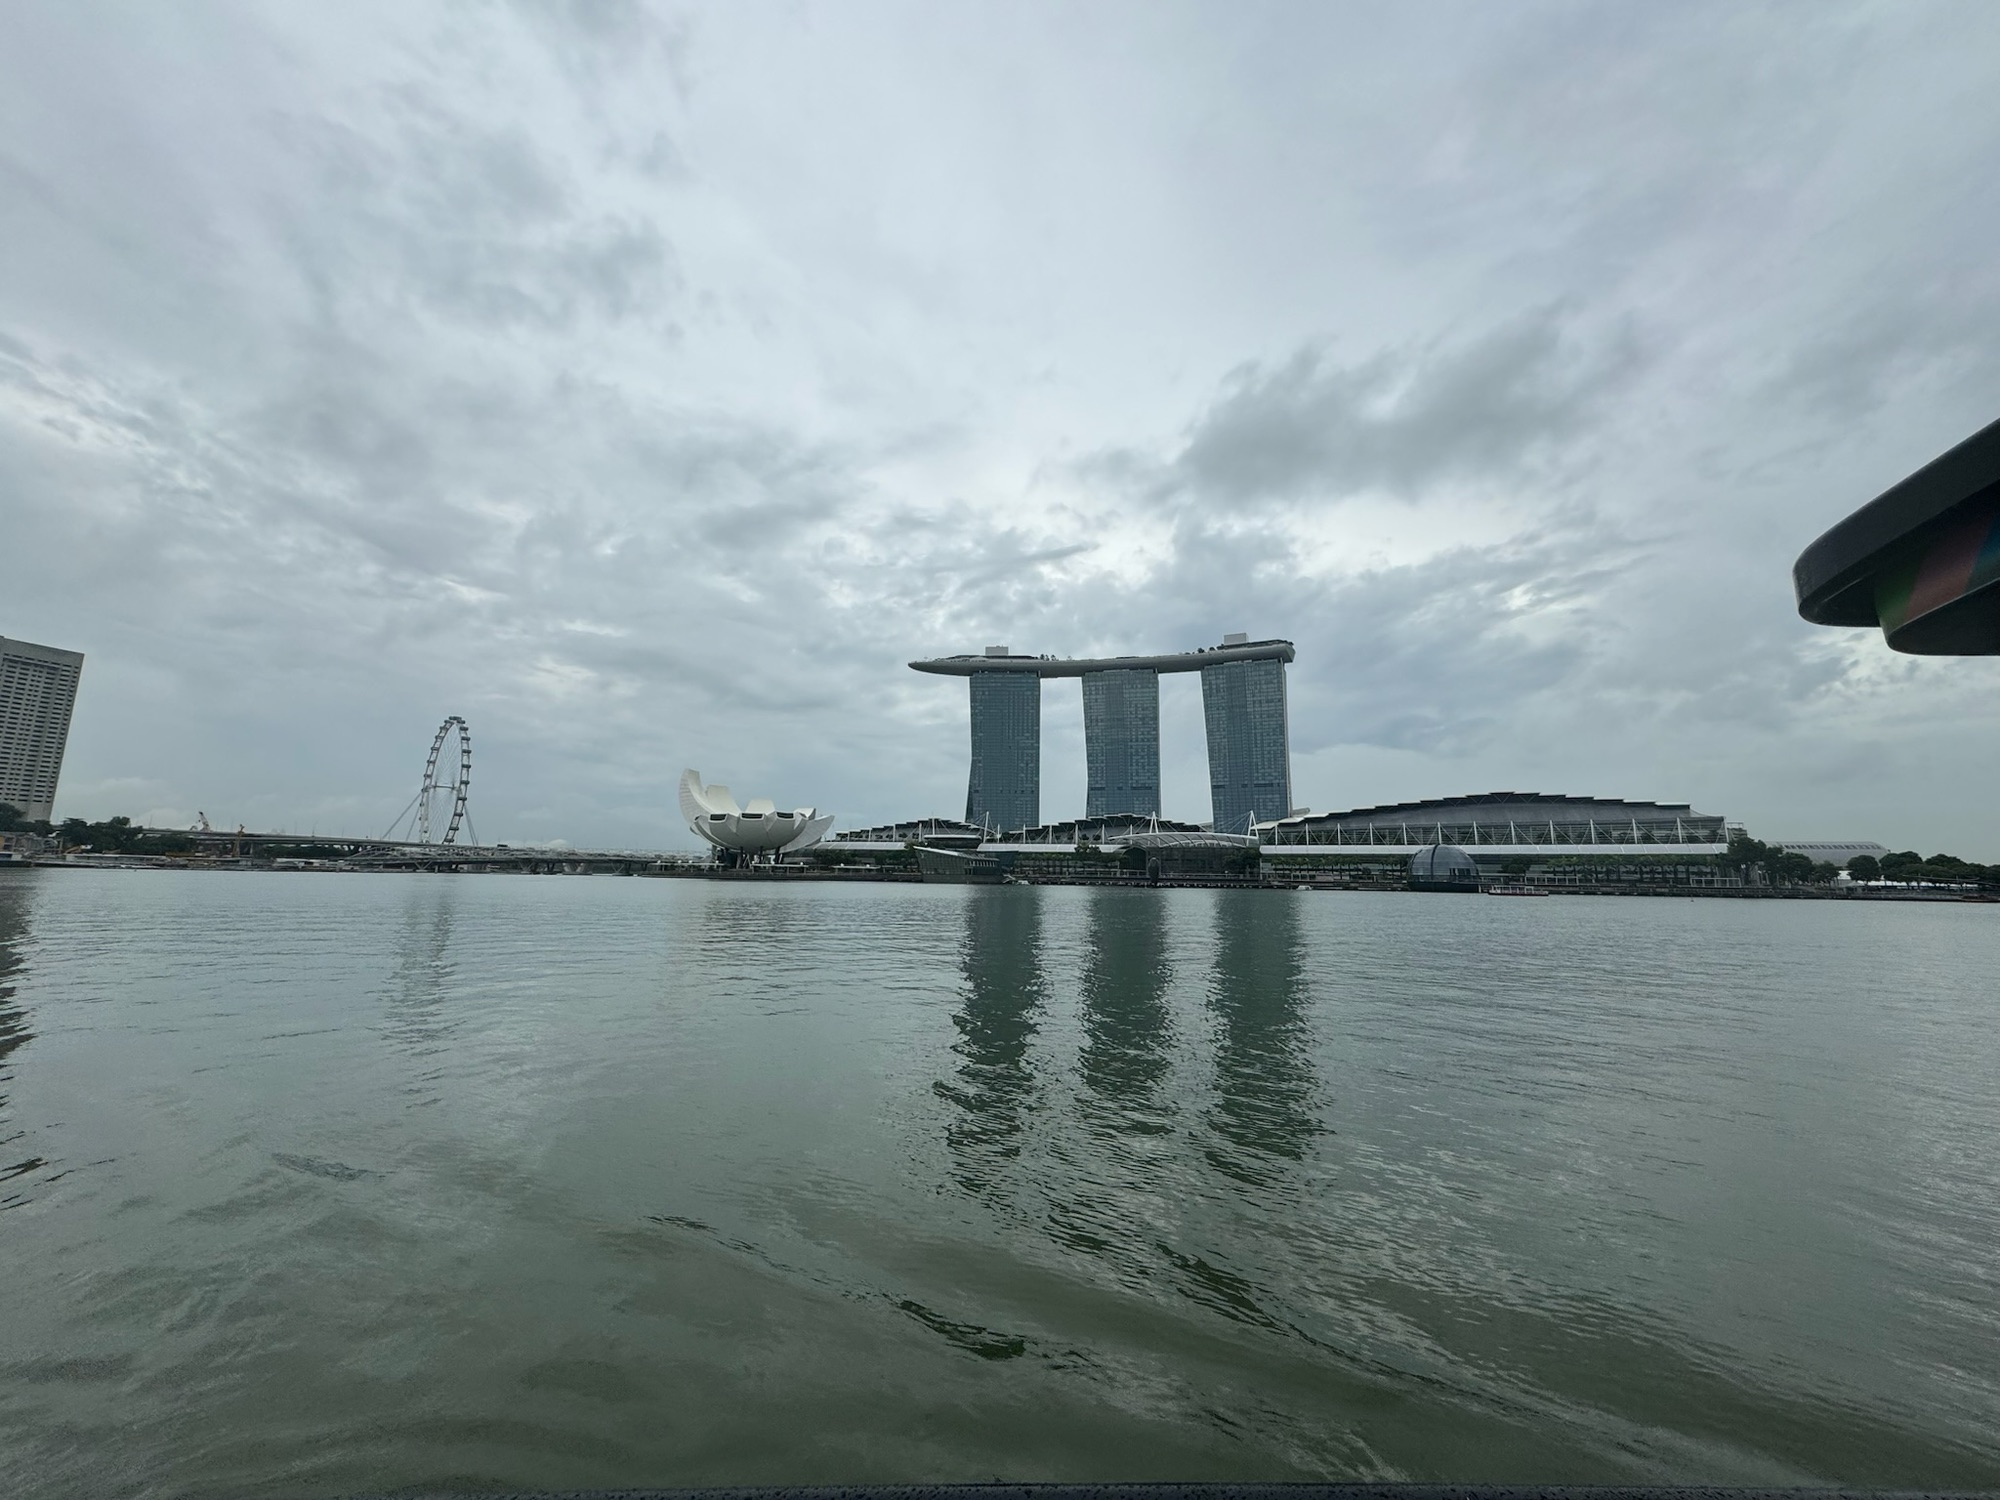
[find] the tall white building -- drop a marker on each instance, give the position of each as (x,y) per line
(37,692)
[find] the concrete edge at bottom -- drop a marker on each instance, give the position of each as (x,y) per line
(1219,1490)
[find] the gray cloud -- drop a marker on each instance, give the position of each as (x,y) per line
(467,218)
(1402,421)
(651,387)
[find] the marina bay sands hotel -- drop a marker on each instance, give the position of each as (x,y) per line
(1243,704)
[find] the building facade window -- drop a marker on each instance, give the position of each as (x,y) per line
(1249,743)
(37,695)
(1004,790)
(1121,742)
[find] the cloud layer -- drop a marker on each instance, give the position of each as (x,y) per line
(649,385)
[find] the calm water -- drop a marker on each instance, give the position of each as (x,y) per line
(340,1183)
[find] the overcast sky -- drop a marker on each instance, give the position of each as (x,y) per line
(648,385)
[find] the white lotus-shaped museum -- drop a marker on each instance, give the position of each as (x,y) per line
(757,829)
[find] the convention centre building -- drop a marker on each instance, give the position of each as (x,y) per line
(1502,825)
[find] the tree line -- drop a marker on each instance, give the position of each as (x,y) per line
(112,836)
(1939,869)
(1782,866)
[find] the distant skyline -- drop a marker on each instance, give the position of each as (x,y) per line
(648,384)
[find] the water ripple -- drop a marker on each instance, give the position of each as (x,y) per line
(342,1184)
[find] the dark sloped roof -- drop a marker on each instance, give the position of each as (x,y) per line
(1553,802)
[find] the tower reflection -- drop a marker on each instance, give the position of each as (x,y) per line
(1004,990)
(1126,1026)
(419,1017)
(1264,1083)
(15,896)
(16,899)
(1113,1202)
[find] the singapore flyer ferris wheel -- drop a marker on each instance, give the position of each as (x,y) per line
(439,805)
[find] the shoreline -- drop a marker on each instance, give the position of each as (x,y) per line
(653,869)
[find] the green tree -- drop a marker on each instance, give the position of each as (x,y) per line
(1864,867)
(1781,866)
(120,836)
(1787,868)
(1747,854)
(1949,869)
(1744,850)
(1903,865)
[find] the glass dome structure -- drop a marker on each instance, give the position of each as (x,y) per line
(1443,867)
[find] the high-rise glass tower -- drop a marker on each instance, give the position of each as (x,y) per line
(1249,745)
(1243,700)
(1121,742)
(37,692)
(1004,791)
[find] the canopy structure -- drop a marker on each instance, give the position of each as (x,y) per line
(1922,559)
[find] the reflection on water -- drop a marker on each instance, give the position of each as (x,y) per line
(15,896)
(1110,1205)
(1127,1029)
(749,925)
(1004,990)
(1263,1074)
(420,1017)
(745,1184)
